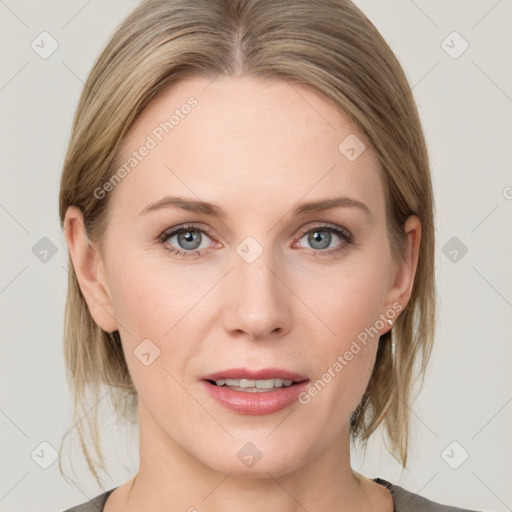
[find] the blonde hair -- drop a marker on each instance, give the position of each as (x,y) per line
(327,45)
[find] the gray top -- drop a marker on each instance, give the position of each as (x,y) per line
(404,501)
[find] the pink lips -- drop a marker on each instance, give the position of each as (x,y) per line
(255,403)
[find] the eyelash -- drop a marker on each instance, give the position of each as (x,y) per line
(343,233)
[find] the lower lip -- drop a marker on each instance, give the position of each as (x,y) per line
(257,403)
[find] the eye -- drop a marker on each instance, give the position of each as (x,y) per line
(189,240)
(326,238)
(185,241)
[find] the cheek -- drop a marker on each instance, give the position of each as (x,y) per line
(348,298)
(156,301)
(150,299)
(349,301)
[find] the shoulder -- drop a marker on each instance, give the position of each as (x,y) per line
(407,501)
(94,505)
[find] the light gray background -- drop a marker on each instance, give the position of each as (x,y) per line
(466,107)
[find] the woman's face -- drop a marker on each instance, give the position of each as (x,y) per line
(252,283)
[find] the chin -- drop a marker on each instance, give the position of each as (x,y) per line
(254,456)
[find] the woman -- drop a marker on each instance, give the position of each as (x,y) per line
(248,208)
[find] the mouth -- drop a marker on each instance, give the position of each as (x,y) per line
(254,381)
(255,392)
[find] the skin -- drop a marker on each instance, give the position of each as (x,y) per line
(256,148)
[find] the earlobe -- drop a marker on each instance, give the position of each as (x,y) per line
(89,269)
(405,272)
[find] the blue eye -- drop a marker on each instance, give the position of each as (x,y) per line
(188,241)
(321,239)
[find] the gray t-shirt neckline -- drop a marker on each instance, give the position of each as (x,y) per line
(403,501)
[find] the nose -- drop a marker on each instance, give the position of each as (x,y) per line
(259,299)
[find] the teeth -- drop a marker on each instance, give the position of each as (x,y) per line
(258,384)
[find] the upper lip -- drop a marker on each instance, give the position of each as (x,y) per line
(262,374)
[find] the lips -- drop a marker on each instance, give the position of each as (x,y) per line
(255,402)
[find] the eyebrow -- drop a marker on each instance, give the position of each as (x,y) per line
(206,208)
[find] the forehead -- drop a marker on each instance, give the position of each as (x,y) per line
(239,138)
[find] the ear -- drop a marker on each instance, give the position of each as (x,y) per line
(89,270)
(403,277)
